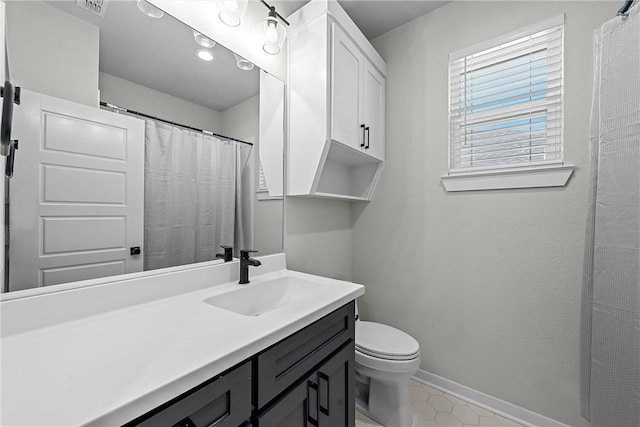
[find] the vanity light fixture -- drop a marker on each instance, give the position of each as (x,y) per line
(205,55)
(232,11)
(203,40)
(150,10)
(274,30)
(243,64)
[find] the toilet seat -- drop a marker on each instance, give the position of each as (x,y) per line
(385,342)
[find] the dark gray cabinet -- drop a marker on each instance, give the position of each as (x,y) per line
(225,400)
(322,399)
(307,379)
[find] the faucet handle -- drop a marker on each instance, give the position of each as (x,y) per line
(244,253)
(227,255)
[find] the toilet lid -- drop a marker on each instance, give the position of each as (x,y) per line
(385,342)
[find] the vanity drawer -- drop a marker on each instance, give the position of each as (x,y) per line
(283,364)
(224,400)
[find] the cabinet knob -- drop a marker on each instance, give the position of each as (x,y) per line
(362,127)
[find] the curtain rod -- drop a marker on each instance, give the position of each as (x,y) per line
(137,113)
(623,10)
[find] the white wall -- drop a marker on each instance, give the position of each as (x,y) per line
(241,120)
(488,282)
(133,96)
(52,52)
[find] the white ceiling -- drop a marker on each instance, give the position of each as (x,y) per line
(159,53)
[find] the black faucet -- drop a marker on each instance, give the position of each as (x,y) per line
(245,262)
(227,255)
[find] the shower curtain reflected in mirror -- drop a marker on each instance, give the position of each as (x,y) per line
(193,195)
(610,353)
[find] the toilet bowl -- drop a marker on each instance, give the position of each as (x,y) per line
(385,359)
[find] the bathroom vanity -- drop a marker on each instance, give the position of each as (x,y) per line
(188,348)
(306,378)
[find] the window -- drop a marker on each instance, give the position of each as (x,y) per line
(505,103)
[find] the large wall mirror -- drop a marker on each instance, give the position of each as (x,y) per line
(134,132)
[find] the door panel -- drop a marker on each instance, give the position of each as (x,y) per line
(89,271)
(90,186)
(374,111)
(71,234)
(81,136)
(76,198)
(346,90)
(336,389)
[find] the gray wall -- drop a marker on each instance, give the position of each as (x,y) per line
(141,98)
(52,52)
(488,282)
(242,121)
(318,236)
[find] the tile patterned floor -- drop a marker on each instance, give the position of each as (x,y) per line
(433,407)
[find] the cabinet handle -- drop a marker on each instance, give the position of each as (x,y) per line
(323,398)
(367,131)
(363,131)
(185,423)
(312,404)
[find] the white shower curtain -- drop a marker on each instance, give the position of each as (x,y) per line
(193,195)
(610,342)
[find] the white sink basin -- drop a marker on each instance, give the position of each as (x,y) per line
(262,297)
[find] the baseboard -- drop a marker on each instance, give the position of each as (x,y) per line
(491,403)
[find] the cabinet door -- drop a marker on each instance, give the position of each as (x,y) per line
(374,111)
(346,90)
(336,398)
(296,408)
(324,399)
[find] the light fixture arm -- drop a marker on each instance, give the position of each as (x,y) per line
(273,12)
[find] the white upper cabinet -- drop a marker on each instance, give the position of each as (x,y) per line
(357,97)
(336,93)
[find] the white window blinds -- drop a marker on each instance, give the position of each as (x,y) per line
(505,101)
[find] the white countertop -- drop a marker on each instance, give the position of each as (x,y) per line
(109,368)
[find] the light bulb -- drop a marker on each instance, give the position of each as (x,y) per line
(243,64)
(232,11)
(205,55)
(271,34)
(274,34)
(149,9)
(203,40)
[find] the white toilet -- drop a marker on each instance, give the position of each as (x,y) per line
(386,358)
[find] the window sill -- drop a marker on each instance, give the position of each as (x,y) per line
(264,195)
(548,176)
